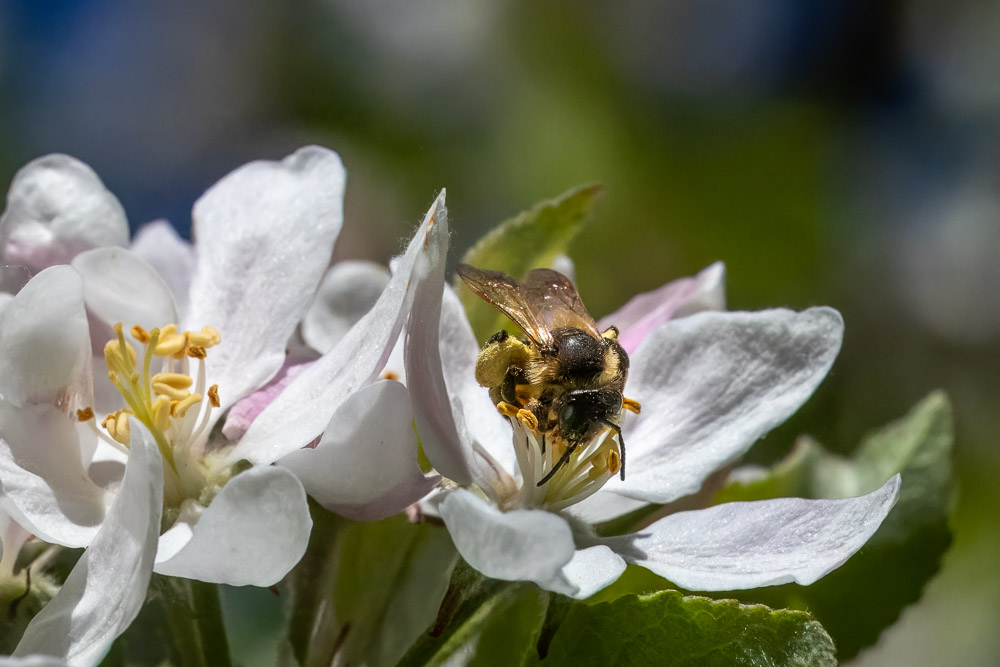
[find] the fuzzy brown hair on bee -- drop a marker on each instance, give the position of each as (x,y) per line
(566,378)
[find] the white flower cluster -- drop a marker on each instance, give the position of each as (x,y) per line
(119,358)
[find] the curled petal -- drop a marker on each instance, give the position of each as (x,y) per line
(107,587)
(56,208)
(591,570)
(520,545)
(264,234)
(751,544)
(365,466)
(253,533)
(120,287)
(710,385)
(348,291)
(303,410)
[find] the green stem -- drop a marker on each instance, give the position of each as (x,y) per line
(311,629)
(195,619)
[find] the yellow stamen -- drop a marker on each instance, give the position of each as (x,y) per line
(175,380)
(196,352)
(213,396)
(614,462)
(140,334)
(506,409)
(84,415)
(528,418)
(209,336)
(170,344)
(161,413)
(180,409)
(631,405)
(390,375)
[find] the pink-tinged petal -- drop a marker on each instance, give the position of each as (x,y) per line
(747,545)
(120,287)
(365,466)
(45,343)
(107,587)
(245,410)
(56,208)
(348,291)
(43,484)
(644,313)
(519,545)
(252,534)
(710,385)
(158,244)
(264,235)
(301,412)
(591,570)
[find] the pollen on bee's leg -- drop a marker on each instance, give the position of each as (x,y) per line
(528,418)
(506,409)
(631,405)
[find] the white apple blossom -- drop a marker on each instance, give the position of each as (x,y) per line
(264,237)
(710,384)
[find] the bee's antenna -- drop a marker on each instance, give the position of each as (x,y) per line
(621,441)
(559,464)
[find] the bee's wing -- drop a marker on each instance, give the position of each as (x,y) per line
(556,303)
(511,298)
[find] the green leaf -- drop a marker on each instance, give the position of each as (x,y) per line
(857,601)
(364,592)
(527,241)
(669,628)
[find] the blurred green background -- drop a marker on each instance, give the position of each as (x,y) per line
(830,152)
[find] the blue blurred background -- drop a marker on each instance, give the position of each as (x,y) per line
(841,152)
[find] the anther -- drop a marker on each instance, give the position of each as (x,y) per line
(170,392)
(196,352)
(84,415)
(170,344)
(390,375)
(213,396)
(528,418)
(140,334)
(631,405)
(180,409)
(161,413)
(175,380)
(209,336)
(506,409)
(614,462)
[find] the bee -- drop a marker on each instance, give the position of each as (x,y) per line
(566,378)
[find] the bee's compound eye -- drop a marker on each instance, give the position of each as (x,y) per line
(567,413)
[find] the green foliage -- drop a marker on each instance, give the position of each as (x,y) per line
(856,602)
(530,240)
(364,592)
(669,628)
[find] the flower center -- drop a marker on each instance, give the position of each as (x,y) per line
(169,402)
(586,469)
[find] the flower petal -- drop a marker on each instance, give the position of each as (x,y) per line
(348,291)
(43,484)
(107,587)
(520,545)
(56,208)
(591,570)
(158,244)
(120,287)
(32,661)
(253,533)
(763,543)
(303,410)
(458,349)
(711,385)
(450,454)
(45,342)
(645,312)
(604,506)
(365,466)
(264,234)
